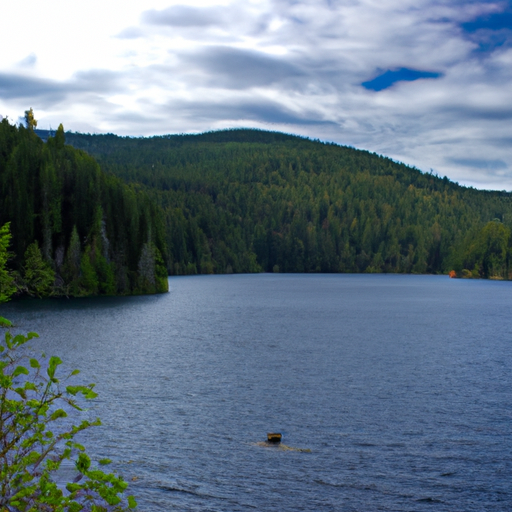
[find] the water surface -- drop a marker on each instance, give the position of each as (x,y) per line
(401,387)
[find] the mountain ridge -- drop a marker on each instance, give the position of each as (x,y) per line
(247,200)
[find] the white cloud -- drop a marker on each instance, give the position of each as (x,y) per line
(161,66)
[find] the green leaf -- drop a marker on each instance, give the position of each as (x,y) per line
(21,392)
(20,370)
(73,390)
(52,465)
(73,487)
(4,322)
(131,502)
(30,386)
(83,463)
(34,363)
(59,413)
(19,340)
(54,362)
(5,381)
(90,394)
(37,453)
(33,457)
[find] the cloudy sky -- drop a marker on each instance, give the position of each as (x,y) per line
(425,82)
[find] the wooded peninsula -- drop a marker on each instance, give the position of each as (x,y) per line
(110,215)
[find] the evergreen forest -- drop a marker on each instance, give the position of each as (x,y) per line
(75,230)
(110,215)
(249,201)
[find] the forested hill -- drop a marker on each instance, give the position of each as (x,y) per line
(249,200)
(75,230)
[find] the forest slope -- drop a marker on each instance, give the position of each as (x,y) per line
(75,230)
(249,200)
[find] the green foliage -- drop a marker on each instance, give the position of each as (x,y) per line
(34,401)
(106,275)
(37,273)
(248,200)
(30,120)
(90,227)
(71,268)
(7,287)
(4,322)
(36,437)
(89,279)
(152,271)
(60,138)
(485,252)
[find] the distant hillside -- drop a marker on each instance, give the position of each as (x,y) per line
(250,200)
(76,231)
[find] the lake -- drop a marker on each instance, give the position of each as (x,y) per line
(393,392)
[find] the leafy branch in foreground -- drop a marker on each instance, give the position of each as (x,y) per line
(36,438)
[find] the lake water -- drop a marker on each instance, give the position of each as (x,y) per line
(400,387)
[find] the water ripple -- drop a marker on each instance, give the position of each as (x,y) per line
(401,387)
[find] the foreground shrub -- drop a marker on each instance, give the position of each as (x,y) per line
(37,435)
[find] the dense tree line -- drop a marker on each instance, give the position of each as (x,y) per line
(75,230)
(249,200)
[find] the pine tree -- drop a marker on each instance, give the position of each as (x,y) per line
(71,270)
(37,273)
(147,278)
(89,282)
(60,138)
(7,287)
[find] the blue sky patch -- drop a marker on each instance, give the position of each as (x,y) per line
(490,31)
(494,21)
(390,77)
